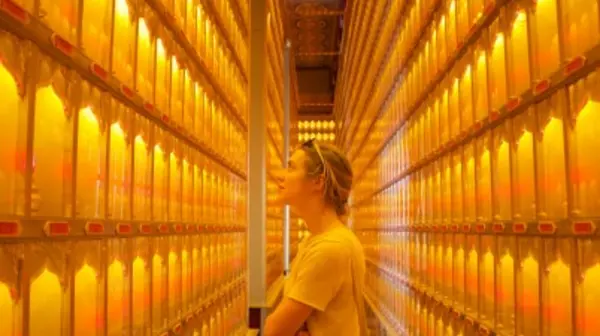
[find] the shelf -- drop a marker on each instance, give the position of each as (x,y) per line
(391,327)
(190,50)
(425,293)
(570,73)
(30,28)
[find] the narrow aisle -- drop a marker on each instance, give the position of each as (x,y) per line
(471,129)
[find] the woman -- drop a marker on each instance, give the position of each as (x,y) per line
(323,292)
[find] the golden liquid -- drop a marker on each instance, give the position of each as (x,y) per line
(45,305)
(160,185)
(51,156)
(141,192)
(123,43)
(96,30)
(61,16)
(86,306)
(587,322)
(6,311)
(502,184)
(584,173)
(12,156)
(557,312)
(498,90)
(529,296)
(158,292)
(552,170)
(119,173)
(547,57)
(480,87)
(174,286)
(520,75)
(163,78)
(116,298)
(145,62)
(174,188)
(525,207)
(90,169)
(581,30)
(141,293)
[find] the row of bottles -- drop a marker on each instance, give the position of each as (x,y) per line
(70,150)
(149,54)
(476,196)
(481,66)
(133,286)
(273,102)
(534,166)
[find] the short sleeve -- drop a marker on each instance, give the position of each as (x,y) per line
(321,274)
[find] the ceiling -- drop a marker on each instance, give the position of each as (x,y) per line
(315,29)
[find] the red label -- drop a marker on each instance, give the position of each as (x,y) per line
(127,91)
(541,87)
(478,125)
(480,228)
(57,228)
(443,228)
(519,227)
(498,227)
(14,10)
(124,228)
(494,115)
(513,103)
(9,228)
(61,44)
(149,107)
(177,328)
(547,227)
(94,228)
(165,118)
(178,228)
(163,228)
(99,71)
(200,227)
(454,228)
(434,227)
(576,64)
(466,228)
(584,228)
(145,228)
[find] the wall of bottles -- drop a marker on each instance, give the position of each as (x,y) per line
(123,167)
(476,189)
(274,114)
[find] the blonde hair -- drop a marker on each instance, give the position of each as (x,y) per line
(328,161)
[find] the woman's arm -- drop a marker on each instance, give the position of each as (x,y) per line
(287,319)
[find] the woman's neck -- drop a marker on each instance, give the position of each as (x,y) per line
(321,220)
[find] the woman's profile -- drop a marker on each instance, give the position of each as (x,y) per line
(323,292)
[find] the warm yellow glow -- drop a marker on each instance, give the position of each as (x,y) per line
(45,306)
(586,168)
(530,298)
(122,8)
(503,186)
(553,176)
(9,118)
(143,31)
(174,283)
(140,292)
(558,303)
(115,298)
(6,311)
(86,308)
(588,302)
(526,177)
(157,291)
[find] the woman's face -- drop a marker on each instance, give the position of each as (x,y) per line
(295,186)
